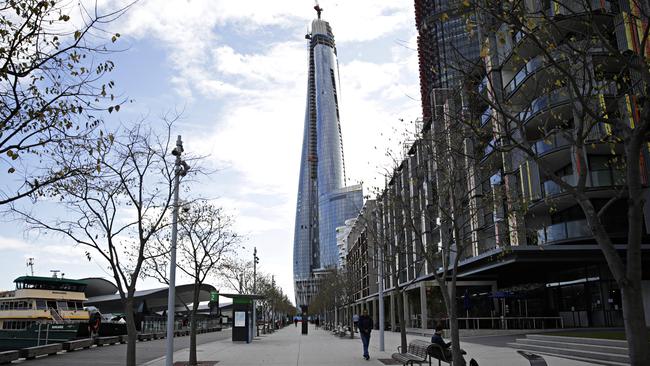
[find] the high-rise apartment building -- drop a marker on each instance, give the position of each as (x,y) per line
(527,255)
(324,203)
(446,45)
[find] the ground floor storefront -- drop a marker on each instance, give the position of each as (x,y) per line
(524,289)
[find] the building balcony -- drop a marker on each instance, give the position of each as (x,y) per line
(543,103)
(567,17)
(563,231)
(483,87)
(489,149)
(559,102)
(553,143)
(536,71)
(564,8)
(595,179)
(486,116)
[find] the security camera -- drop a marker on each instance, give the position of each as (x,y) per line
(177,151)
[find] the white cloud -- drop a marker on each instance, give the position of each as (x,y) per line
(247,59)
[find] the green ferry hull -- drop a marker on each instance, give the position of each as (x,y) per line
(37,335)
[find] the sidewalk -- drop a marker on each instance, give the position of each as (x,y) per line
(288,347)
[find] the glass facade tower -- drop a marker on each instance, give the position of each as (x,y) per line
(324,203)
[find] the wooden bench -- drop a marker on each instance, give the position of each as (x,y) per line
(417,352)
(70,346)
(8,356)
(30,353)
(111,340)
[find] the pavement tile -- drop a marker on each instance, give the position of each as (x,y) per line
(320,348)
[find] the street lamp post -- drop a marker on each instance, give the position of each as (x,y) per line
(180,170)
(381,285)
(255,261)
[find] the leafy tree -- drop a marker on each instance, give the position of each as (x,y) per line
(53,88)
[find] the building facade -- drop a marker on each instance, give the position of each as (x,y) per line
(324,202)
(527,257)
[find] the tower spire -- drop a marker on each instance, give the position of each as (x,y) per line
(318,9)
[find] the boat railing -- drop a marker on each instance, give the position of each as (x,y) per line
(56,316)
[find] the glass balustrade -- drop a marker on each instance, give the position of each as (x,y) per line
(543,102)
(607,178)
(551,188)
(521,75)
(489,148)
(482,87)
(574,7)
(563,231)
(486,116)
(553,142)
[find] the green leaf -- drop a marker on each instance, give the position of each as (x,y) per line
(110,109)
(11,170)
(77,35)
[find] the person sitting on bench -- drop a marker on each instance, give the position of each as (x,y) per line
(437,339)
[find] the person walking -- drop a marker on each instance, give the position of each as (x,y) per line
(365,327)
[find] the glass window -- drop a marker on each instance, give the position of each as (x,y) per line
(40,304)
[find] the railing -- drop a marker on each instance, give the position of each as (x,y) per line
(56,316)
(528,69)
(482,87)
(563,231)
(155,326)
(553,142)
(596,179)
(486,116)
(551,188)
(574,7)
(527,322)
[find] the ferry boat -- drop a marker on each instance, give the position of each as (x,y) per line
(42,310)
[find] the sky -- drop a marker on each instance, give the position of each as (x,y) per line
(238,72)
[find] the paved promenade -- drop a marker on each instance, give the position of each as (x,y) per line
(116,355)
(319,347)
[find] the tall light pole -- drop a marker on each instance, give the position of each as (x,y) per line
(255,261)
(382,317)
(180,170)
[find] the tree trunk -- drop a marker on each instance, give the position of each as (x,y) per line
(195,305)
(131,330)
(453,326)
(635,329)
(402,321)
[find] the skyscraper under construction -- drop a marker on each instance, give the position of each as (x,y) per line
(324,203)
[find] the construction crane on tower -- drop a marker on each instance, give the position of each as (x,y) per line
(318,8)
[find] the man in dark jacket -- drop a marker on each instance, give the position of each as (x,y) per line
(365,327)
(437,339)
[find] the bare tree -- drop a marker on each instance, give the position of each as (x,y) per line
(52,88)
(237,275)
(117,208)
(423,220)
(206,236)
